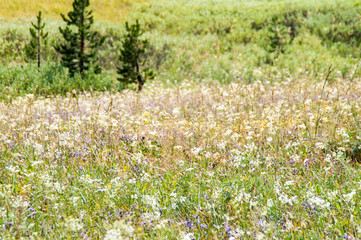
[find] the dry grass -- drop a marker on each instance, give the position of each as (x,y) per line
(109,10)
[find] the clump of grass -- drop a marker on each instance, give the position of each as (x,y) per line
(199,160)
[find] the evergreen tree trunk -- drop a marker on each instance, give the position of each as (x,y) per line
(139,77)
(82,40)
(38,52)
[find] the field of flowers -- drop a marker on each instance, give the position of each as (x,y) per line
(196,161)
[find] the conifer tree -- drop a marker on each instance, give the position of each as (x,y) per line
(132,57)
(38,40)
(277,36)
(79,50)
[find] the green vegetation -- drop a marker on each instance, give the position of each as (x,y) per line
(224,40)
(52,80)
(131,53)
(257,137)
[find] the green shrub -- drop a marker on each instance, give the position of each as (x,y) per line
(53,79)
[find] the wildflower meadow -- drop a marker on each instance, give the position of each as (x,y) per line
(195,161)
(246,123)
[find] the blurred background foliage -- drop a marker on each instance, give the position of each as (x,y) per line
(200,40)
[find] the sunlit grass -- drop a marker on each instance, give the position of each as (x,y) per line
(110,10)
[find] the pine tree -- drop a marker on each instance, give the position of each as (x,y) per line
(38,40)
(79,50)
(132,57)
(278,36)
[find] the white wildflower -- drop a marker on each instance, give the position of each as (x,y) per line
(113,234)
(221,145)
(235,137)
(150,200)
(332,195)
(145,177)
(35,163)
(238,160)
(162,224)
(128,229)
(242,197)
(320,145)
(285,199)
(75,200)
(53,127)
(319,202)
(73,224)
(289,225)
(328,158)
(18,202)
(196,151)
(132,181)
(176,111)
(3,213)
(38,149)
(178,147)
(288,183)
(348,197)
(253,203)
(188,236)
(208,155)
(260,236)
(13,169)
(221,108)
(228,133)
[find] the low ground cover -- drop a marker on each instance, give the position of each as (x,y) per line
(197,160)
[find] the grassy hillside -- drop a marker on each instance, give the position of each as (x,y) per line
(110,10)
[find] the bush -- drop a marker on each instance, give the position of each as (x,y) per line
(53,79)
